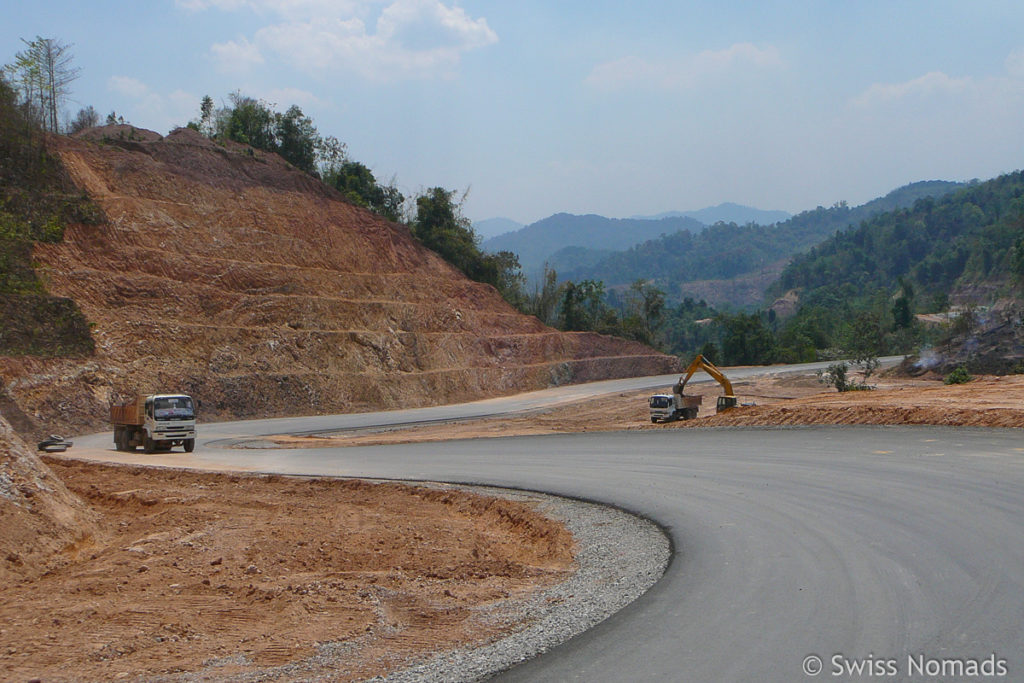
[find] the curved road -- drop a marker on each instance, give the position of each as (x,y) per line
(896,549)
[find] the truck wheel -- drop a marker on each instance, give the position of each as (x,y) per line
(147,444)
(189,445)
(654,420)
(117,439)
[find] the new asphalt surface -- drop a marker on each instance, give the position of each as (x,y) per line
(838,553)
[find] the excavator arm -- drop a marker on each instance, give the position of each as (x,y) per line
(725,402)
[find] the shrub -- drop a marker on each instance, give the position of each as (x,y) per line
(958,376)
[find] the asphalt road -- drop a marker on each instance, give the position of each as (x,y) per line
(897,549)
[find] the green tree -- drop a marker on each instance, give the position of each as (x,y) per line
(502,270)
(652,306)
(87,117)
(440,226)
(903,306)
(43,73)
(746,339)
(1017,259)
(296,139)
(357,182)
(583,306)
(207,117)
(545,301)
(248,121)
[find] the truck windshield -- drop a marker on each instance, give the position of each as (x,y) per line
(659,401)
(173,408)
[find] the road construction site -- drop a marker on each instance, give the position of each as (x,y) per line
(153,523)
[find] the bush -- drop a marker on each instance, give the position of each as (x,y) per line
(836,376)
(958,376)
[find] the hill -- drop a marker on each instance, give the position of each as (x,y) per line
(224,272)
(727,212)
(726,250)
(535,243)
(964,248)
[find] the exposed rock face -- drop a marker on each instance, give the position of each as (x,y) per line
(227,274)
(43,523)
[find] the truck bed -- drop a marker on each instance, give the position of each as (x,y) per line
(131,413)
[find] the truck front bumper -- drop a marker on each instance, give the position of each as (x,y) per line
(174,436)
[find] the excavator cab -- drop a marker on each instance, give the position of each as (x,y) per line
(725,403)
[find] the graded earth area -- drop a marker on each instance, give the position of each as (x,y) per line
(774,400)
(227,575)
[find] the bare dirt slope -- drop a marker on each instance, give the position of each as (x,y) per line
(223,272)
(42,524)
(226,575)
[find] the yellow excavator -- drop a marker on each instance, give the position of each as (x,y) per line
(665,408)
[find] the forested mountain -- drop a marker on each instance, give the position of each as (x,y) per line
(728,250)
(535,243)
(959,244)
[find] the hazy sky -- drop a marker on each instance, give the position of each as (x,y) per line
(616,108)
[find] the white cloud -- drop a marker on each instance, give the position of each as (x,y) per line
(408,38)
(127,86)
(936,84)
(291,8)
(684,73)
(932,126)
(235,56)
(142,103)
(1015,63)
(932,83)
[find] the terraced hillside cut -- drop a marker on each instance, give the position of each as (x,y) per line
(225,273)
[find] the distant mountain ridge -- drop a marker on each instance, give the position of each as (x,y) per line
(727,250)
(727,212)
(535,243)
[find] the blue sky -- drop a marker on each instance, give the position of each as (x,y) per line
(586,107)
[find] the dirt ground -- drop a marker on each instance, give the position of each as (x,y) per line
(772,401)
(224,575)
(185,572)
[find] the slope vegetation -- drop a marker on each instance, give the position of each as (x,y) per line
(226,273)
(968,244)
(726,250)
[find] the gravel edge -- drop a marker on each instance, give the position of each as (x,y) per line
(619,557)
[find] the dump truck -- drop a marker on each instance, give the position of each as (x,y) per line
(679,406)
(155,422)
(666,408)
